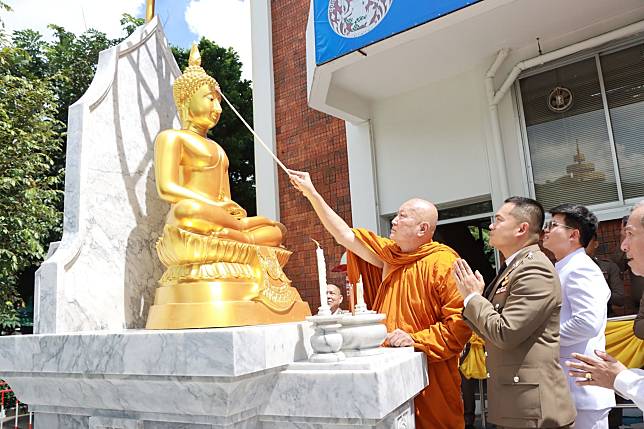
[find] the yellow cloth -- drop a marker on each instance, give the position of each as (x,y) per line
(419,296)
(623,345)
(474,364)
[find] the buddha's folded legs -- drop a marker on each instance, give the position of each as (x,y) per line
(201,218)
(272,235)
(194,216)
(252,222)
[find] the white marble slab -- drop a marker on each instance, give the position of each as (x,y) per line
(104,271)
(222,352)
(245,377)
(100,422)
(400,418)
(367,388)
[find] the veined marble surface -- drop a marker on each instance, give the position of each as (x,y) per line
(221,352)
(368,387)
(104,271)
(244,377)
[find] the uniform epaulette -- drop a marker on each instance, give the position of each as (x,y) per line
(529,256)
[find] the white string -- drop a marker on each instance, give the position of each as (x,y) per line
(255,134)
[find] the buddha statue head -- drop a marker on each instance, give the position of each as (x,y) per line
(196,94)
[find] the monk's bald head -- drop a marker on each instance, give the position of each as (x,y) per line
(423,211)
(415,223)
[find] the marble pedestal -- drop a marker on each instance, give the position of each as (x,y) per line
(246,377)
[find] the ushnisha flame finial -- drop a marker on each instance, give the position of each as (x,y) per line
(195,56)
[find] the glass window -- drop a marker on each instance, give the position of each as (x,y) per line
(623,74)
(570,148)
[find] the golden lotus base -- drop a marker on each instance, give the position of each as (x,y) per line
(221,314)
(211,282)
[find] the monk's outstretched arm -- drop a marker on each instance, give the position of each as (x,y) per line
(447,338)
(333,223)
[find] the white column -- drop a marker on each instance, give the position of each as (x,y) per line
(267,186)
(362,176)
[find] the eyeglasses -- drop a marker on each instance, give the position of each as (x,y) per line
(551,224)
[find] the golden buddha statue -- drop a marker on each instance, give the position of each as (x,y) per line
(223,267)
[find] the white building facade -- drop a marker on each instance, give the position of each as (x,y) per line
(494,98)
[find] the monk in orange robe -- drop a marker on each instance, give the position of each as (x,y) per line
(408,277)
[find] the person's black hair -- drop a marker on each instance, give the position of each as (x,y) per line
(580,218)
(528,210)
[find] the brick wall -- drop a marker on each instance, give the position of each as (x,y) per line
(306,140)
(610,240)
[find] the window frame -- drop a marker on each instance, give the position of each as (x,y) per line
(609,210)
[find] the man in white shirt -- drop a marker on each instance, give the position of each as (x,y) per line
(585,296)
(607,372)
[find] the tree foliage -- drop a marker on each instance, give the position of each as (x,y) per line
(130,23)
(29,180)
(224,65)
(68,62)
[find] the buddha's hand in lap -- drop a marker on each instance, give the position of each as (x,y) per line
(234,209)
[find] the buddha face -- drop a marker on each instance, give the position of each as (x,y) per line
(204,108)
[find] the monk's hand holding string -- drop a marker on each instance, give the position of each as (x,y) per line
(301,180)
(399,338)
(467,281)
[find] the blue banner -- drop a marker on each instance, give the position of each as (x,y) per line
(343,26)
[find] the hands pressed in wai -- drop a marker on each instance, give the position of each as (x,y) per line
(399,338)
(467,281)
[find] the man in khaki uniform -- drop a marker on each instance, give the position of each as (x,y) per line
(518,316)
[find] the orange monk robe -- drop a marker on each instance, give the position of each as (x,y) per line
(419,296)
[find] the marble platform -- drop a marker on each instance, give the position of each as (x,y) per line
(246,377)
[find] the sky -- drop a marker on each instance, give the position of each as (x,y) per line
(226,22)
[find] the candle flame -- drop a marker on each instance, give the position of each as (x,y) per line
(316,242)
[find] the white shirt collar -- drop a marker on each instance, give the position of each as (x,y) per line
(568,257)
(510,258)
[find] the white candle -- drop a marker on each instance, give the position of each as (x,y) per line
(361,306)
(360,292)
(319,255)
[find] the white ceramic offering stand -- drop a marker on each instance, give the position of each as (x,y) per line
(326,341)
(363,333)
